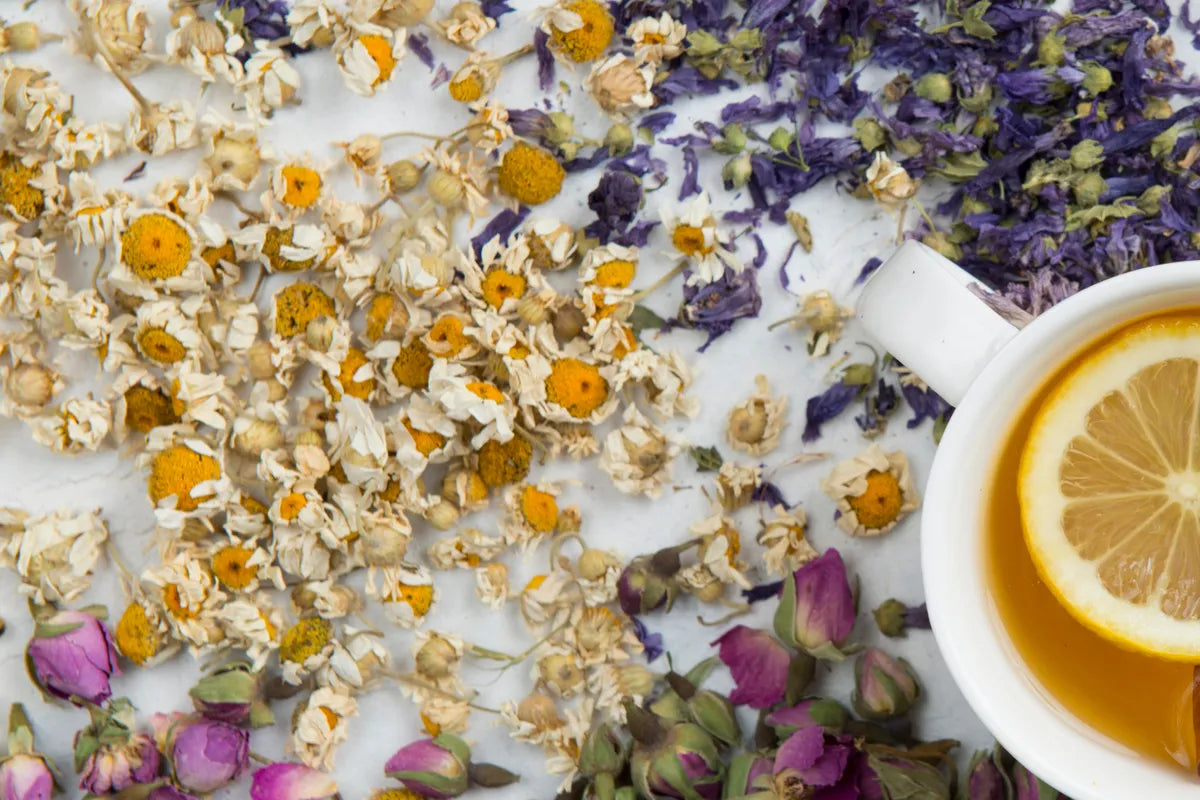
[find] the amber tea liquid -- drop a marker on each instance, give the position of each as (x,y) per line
(1142,702)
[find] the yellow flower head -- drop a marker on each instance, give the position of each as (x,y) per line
(291,505)
(16,194)
(176,471)
(540,509)
(576,386)
(135,636)
(380,51)
(500,285)
(425,441)
(146,409)
(503,463)
(615,274)
(418,597)
(446,338)
(299,304)
(176,603)
(305,639)
(275,239)
(354,360)
(301,185)
(379,315)
(412,365)
(691,240)
(530,174)
(466,88)
(486,391)
(880,504)
(590,38)
(158,345)
(229,566)
(221,253)
(155,247)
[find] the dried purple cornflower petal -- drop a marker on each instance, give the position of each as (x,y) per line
(495,9)
(691,173)
(260,19)
(500,226)
(753,110)
(418,43)
(714,307)
(825,406)
(687,81)
(763,591)
(615,201)
(769,493)
(652,643)
(657,122)
(545,60)
(925,404)
(530,123)
(637,235)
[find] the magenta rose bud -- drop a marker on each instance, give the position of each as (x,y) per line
(638,590)
(816,610)
(206,754)
(287,781)
(72,655)
(758,663)
(985,781)
(25,774)
(884,687)
(433,768)
(1030,786)
(168,792)
(119,765)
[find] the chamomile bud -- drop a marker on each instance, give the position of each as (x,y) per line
(532,309)
(619,139)
(30,384)
(403,176)
(20,37)
(403,14)
(436,659)
(261,435)
(443,515)
(568,323)
(539,710)
(258,358)
(446,189)
(594,564)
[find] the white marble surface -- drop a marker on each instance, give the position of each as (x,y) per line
(846,232)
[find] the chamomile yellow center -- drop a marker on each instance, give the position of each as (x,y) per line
(500,285)
(177,471)
(400,794)
(134,636)
(412,365)
(486,391)
(301,185)
(214,255)
(691,240)
(158,345)
(299,304)
(380,51)
(530,174)
(466,89)
(291,505)
(425,441)
(615,274)
(627,345)
(354,361)
(273,242)
(588,41)
(177,604)
(379,312)
(16,192)
(229,565)
(419,598)
(305,639)
(539,509)
(156,247)
(146,409)
(503,463)
(535,583)
(576,386)
(476,489)
(879,504)
(446,337)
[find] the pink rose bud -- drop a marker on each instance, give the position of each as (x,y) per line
(433,768)
(25,774)
(72,655)
(816,610)
(206,755)
(287,781)
(885,687)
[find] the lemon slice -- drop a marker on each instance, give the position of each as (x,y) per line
(1109,488)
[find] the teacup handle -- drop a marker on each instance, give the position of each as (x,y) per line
(919,306)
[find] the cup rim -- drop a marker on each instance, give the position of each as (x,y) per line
(1074,758)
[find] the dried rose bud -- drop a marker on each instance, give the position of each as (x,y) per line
(985,779)
(885,687)
(285,781)
(72,656)
(30,384)
(205,754)
(433,768)
(25,774)
(712,711)
(677,761)
(816,611)
(109,755)
(233,694)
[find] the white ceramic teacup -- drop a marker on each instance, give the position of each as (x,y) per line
(919,306)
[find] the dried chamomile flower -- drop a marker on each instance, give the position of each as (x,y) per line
(234,156)
(694,234)
(560,672)
(28,385)
(297,305)
(665,379)
(320,724)
(532,513)
(890,183)
(305,647)
(532,720)
(611,267)
(162,128)
(720,546)
(551,243)
(786,548)
(599,637)
(824,318)
(243,565)
(491,411)
(201,397)
(115,32)
(468,549)
(296,184)
(437,662)
(657,39)
(873,491)
(491,585)
(201,46)
(465,488)
(458,181)
(407,593)
(327,598)
(358,661)
(447,337)
(621,85)
(368,55)
(251,624)
(580,30)
(54,554)
(79,424)
(735,484)
(638,455)
(571,389)
(466,24)
(425,435)
(529,174)
(167,332)
(754,425)
(475,79)
(185,475)
(270,82)
(549,600)
(26,185)
(142,634)
(190,598)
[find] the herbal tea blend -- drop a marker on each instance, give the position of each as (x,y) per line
(344,374)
